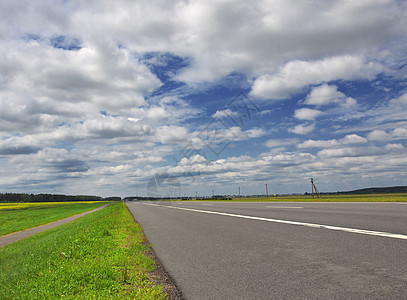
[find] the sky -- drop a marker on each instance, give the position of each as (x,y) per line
(186,98)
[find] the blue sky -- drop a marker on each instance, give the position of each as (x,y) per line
(202,96)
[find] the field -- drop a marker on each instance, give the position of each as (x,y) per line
(396,197)
(19,216)
(98,256)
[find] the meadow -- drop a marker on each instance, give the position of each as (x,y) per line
(98,256)
(19,216)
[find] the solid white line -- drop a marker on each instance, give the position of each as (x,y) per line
(337,228)
(297,207)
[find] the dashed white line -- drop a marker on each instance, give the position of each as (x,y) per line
(294,207)
(329,227)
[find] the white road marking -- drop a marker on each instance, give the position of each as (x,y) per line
(296,207)
(329,227)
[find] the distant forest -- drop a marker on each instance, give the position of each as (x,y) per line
(12,197)
(378,190)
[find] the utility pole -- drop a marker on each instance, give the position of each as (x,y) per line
(267,191)
(313,187)
(213,193)
(196,195)
(239,191)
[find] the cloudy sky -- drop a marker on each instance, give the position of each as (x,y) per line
(108,97)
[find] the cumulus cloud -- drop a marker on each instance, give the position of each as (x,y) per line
(280,142)
(400,100)
(302,129)
(381,135)
(378,135)
(225,113)
(307,113)
(353,139)
(295,75)
(351,152)
(399,132)
(328,94)
(103,78)
(17,145)
(323,95)
(318,144)
(172,134)
(394,147)
(255,132)
(348,139)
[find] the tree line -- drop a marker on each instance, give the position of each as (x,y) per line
(17,197)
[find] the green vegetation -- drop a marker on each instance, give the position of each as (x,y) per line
(14,197)
(98,256)
(401,197)
(394,197)
(378,190)
(19,216)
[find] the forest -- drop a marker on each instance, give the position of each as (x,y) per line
(19,197)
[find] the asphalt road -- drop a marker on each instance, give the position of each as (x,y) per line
(235,250)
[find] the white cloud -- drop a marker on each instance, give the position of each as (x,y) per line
(111,170)
(379,135)
(318,144)
(220,37)
(399,132)
(280,142)
(324,95)
(400,100)
(295,75)
(391,147)
(302,129)
(16,145)
(225,113)
(105,79)
(353,139)
(307,113)
(157,114)
(344,152)
(349,139)
(328,94)
(349,102)
(172,134)
(255,132)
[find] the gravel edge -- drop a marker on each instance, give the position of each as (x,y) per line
(160,275)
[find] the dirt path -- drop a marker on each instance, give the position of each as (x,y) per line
(16,236)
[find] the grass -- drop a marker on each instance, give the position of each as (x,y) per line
(19,216)
(397,197)
(98,256)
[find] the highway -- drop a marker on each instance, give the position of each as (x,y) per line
(280,250)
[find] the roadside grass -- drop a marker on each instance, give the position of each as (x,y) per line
(19,216)
(98,256)
(397,197)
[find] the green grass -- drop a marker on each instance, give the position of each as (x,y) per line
(99,256)
(399,197)
(19,216)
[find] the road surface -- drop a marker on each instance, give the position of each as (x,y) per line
(269,250)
